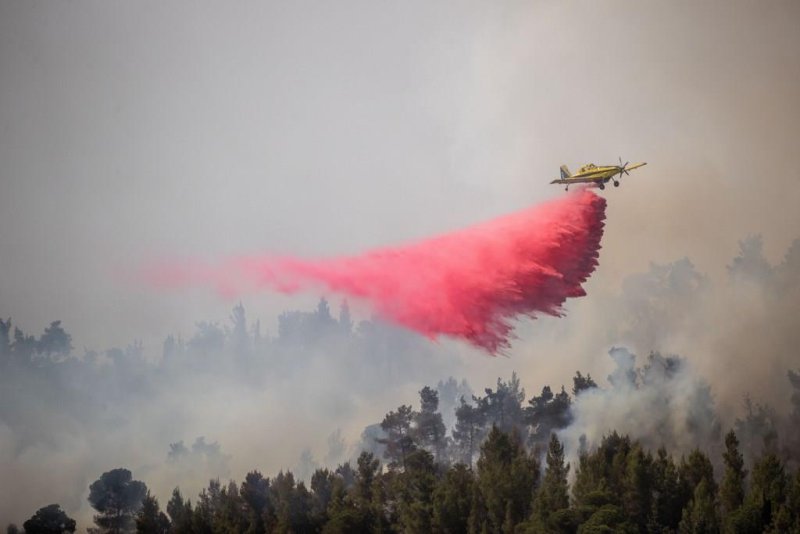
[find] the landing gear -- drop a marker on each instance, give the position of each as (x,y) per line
(616,183)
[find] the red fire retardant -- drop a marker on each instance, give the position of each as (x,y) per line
(467,284)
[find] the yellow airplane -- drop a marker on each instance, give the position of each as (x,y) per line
(592,174)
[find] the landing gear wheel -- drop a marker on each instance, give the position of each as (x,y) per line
(602,186)
(616,183)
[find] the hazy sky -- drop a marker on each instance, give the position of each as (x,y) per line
(132,130)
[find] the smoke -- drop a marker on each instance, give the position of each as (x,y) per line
(467,284)
(226,400)
(662,403)
(702,355)
(182,131)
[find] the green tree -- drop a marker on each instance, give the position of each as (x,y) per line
(694,469)
(367,494)
(667,494)
(367,473)
(322,482)
(768,488)
(430,431)
(700,516)
(601,475)
(292,504)
(227,513)
(503,406)
(582,383)
(55,341)
(731,491)
(745,520)
(547,413)
(639,486)
(607,519)
(552,499)
(414,490)
(452,500)
(698,494)
(506,480)
(49,519)
(793,426)
(180,512)
(117,498)
(150,519)
(793,502)
(255,494)
(468,432)
(399,443)
(23,347)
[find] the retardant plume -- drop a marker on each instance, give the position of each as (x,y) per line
(467,284)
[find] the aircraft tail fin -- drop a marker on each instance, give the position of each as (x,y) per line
(565,172)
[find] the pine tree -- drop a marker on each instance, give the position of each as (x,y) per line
(731,491)
(667,499)
(150,519)
(582,383)
(506,475)
(54,341)
(768,488)
(452,500)
(700,516)
(793,502)
(503,407)
(48,520)
(547,413)
(180,512)
(414,490)
(429,430)
(254,492)
(553,495)
(600,476)
(366,492)
(291,502)
(468,432)
(639,485)
(117,498)
(699,494)
(399,442)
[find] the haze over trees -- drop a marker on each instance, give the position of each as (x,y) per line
(646,449)
(421,484)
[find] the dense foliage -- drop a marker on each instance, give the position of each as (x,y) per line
(519,482)
(496,461)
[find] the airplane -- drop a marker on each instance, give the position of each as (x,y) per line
(596,175)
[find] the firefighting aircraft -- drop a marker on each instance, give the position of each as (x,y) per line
(596,175)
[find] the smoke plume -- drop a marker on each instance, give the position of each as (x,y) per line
(467,284)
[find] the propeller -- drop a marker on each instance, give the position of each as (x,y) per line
(622,167)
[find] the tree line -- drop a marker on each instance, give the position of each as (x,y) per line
(502,469)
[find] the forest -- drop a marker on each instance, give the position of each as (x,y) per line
(451,460)
(502,469)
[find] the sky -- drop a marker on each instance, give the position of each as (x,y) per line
(133,131)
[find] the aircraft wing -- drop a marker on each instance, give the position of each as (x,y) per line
(568,181)
(636,166)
